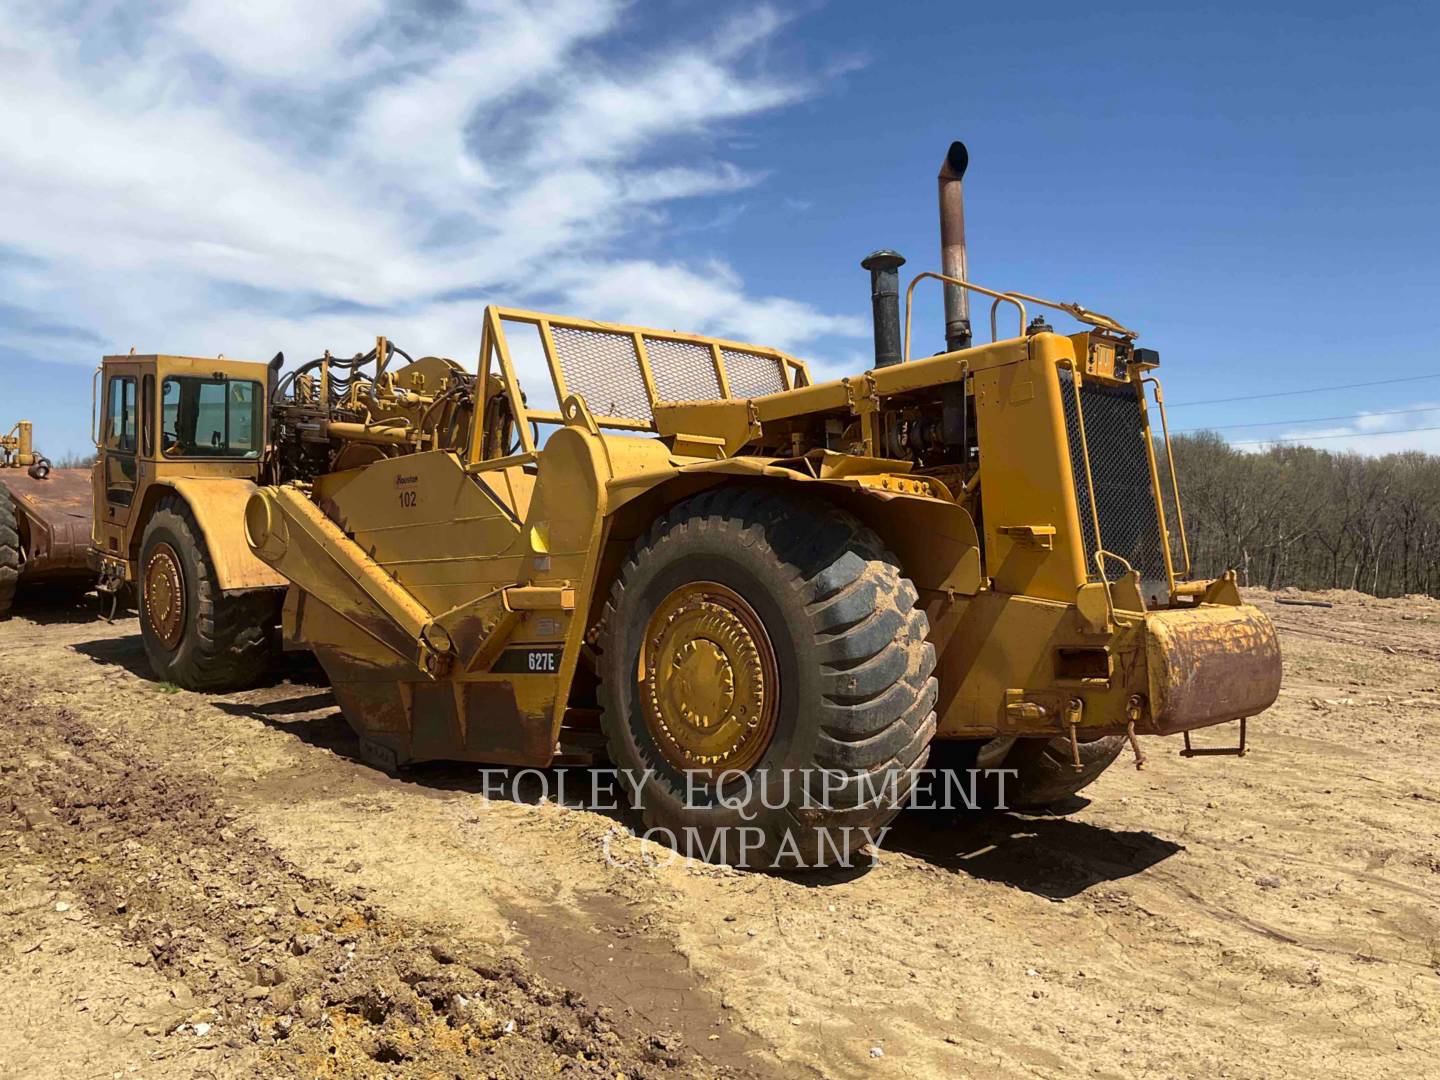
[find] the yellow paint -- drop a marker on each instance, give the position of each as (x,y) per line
(17,447)
(215,489)
(450,591)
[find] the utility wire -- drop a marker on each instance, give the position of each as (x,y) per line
(1310,420)
(1351,435)
(1311,390)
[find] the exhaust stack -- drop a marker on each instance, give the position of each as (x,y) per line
(884,267)
(952,246)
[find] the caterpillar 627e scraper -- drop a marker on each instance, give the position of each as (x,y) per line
(767,598)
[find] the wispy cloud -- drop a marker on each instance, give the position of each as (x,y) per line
(278,40)
(236,177)
(1416,427)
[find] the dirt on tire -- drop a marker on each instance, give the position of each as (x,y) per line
(227,640)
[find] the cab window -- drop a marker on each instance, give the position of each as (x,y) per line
(209,417)
(120,420)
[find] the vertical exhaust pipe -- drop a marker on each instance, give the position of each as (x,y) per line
(952,246)
(884,267)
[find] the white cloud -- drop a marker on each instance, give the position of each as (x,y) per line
(606,120)
(1416,427)
(277,39)
(234,168)
(712,301)
(419,118)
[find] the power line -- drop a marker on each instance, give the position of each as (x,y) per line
(1310,420)
(1351,435)
(1311,390)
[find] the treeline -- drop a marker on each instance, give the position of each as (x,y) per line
(1314,519)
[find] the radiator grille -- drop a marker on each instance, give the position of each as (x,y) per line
(1115,435)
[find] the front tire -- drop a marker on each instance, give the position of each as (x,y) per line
(195,635)
(766,682)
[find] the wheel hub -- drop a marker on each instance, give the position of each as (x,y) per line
(709,685)
(165,595)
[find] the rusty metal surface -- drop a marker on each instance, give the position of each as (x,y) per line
(953,261)
(1210,665)
(56,513)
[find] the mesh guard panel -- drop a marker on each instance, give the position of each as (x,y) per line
(1115,435)
(752,375)
(683,370)
(603,368)
(623,373)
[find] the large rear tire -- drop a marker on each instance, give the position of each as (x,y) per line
(9,550)
(766,672)
(195,635)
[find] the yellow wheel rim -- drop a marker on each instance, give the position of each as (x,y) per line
(165,595)
(709,686)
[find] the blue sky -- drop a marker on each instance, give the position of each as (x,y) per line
(1252,186)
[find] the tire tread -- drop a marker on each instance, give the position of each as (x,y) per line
(877,709)
(233,633)
(9,550)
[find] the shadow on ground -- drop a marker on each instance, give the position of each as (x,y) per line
(50,604)
(289,670)
(1049,855)
(127,652)
(1053,856)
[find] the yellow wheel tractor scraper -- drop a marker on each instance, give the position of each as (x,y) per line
(768,598)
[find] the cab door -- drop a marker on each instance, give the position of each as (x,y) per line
(124,426)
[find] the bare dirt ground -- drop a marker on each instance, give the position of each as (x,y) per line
(215,886)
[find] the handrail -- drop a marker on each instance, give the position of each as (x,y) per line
(1079,313)
(94,411)
(1174,477)
(1100,556)
(910,294)
(1166,551)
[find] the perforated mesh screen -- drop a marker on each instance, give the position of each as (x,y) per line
(752,375)
(603,368)
(682,370)
(1124,498)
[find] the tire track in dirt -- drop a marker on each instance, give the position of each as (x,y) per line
(315,979)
